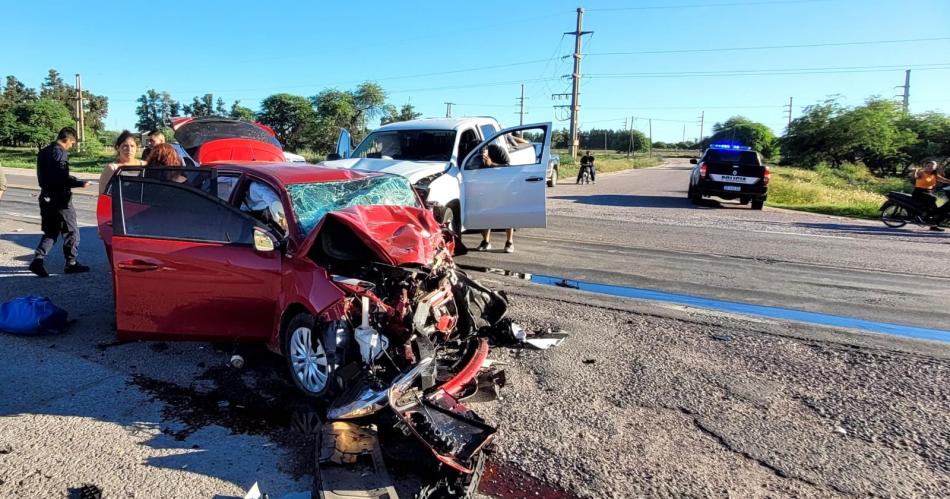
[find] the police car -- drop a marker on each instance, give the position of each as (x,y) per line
(730,171)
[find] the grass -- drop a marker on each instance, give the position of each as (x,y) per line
(850,191)
(604,162)
(25,157)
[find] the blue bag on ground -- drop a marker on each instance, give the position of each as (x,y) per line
(30,315)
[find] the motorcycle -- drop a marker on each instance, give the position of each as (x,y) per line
(901,209)
(586,173)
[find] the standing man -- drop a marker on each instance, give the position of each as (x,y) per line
(155,137)
(56,206)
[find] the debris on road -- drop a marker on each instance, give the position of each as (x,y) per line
(350,463)
(721,337)
(546,340)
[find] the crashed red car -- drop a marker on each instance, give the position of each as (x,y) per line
(344,273)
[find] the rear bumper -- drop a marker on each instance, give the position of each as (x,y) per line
(725,190)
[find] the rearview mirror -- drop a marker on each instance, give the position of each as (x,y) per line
(263,241)
(692,161)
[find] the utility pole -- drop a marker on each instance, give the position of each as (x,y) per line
(789,113)
(605,141)
(80,111)
(576,79)
(521,113)
(684,133)
(906,87)
(651,137)
(630,143)
(702,120)
(448,109)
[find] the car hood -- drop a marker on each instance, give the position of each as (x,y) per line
(414,171)
(396,235)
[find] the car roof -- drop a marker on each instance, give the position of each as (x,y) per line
(294,173)
(437,123)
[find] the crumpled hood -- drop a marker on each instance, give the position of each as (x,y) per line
(398,235)
(414,171)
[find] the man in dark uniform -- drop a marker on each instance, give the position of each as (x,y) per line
(56,205)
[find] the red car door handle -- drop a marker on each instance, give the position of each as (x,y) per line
(137,266)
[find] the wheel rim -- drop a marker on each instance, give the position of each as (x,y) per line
(554,178)
(309,364)
(894,216)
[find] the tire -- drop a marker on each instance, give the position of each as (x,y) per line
(449,216)
(308,364)
(553,180)
(695,196)
(894,215)
(744,200)
(757,204)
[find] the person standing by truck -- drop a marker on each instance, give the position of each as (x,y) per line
(57,214)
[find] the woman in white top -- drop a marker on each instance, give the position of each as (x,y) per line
(125,149)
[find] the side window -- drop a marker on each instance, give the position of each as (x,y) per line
(467,141)
(167,210)
(519,147)
(487,131)
(263,203)
(226,185)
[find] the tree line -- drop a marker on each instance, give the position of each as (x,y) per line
(299,122)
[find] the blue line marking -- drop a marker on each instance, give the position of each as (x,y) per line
(745,308)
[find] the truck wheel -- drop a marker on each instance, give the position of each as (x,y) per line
(758,203)
(450,217)
(695,196)
(553,180)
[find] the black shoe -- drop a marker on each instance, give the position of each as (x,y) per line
(37,267)
(509,247)
(76,268)
(485,246)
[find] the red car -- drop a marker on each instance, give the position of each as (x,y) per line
(346,274)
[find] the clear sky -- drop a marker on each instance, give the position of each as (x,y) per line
(424,52)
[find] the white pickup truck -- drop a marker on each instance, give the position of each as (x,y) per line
(443,159)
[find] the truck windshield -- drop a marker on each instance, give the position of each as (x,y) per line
(312,201)
(409,145)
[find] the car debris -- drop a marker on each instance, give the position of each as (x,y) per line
(350,463)
(545,341)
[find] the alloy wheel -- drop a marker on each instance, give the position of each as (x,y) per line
(308,360)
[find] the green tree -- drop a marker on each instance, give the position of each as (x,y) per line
(95,107)
(240,112)
(155,110)
(39,121)
(15,92)
(741,130)
(406,113)
(290,116)
(933,136)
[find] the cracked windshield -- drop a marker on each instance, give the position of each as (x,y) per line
(312,201)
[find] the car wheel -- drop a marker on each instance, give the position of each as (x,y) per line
(553,180)
(757,204)
(743,200)
(307,359)
(449,217)
(695,196)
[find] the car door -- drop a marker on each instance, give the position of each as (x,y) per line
(508,195)
(185,266)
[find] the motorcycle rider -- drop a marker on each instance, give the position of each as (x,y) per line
(925,182)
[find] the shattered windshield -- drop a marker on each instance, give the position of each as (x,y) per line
(312,201)
(409,145)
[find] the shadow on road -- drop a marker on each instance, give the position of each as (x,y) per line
(872,230)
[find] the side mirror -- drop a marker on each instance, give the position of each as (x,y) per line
(693,161)
(333,156)
(264,242)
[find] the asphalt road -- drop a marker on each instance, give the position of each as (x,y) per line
(637,228)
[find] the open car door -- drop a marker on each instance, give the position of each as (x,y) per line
(343,147)
(503,179)
(187,265)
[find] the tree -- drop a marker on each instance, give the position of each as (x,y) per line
(933,135)
(240,112)
(406,113)
(290,116)
(219,109)
(155,110)
(39,121)
(95,107)
(741,130)
(15,92)
(200,106)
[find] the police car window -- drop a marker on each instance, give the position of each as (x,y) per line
(737,157)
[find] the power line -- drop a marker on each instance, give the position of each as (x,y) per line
(772,47)
(701,5)
(768,72)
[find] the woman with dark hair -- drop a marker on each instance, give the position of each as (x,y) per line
(125,149)
(165,156)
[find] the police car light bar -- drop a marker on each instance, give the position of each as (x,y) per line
(733,147)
